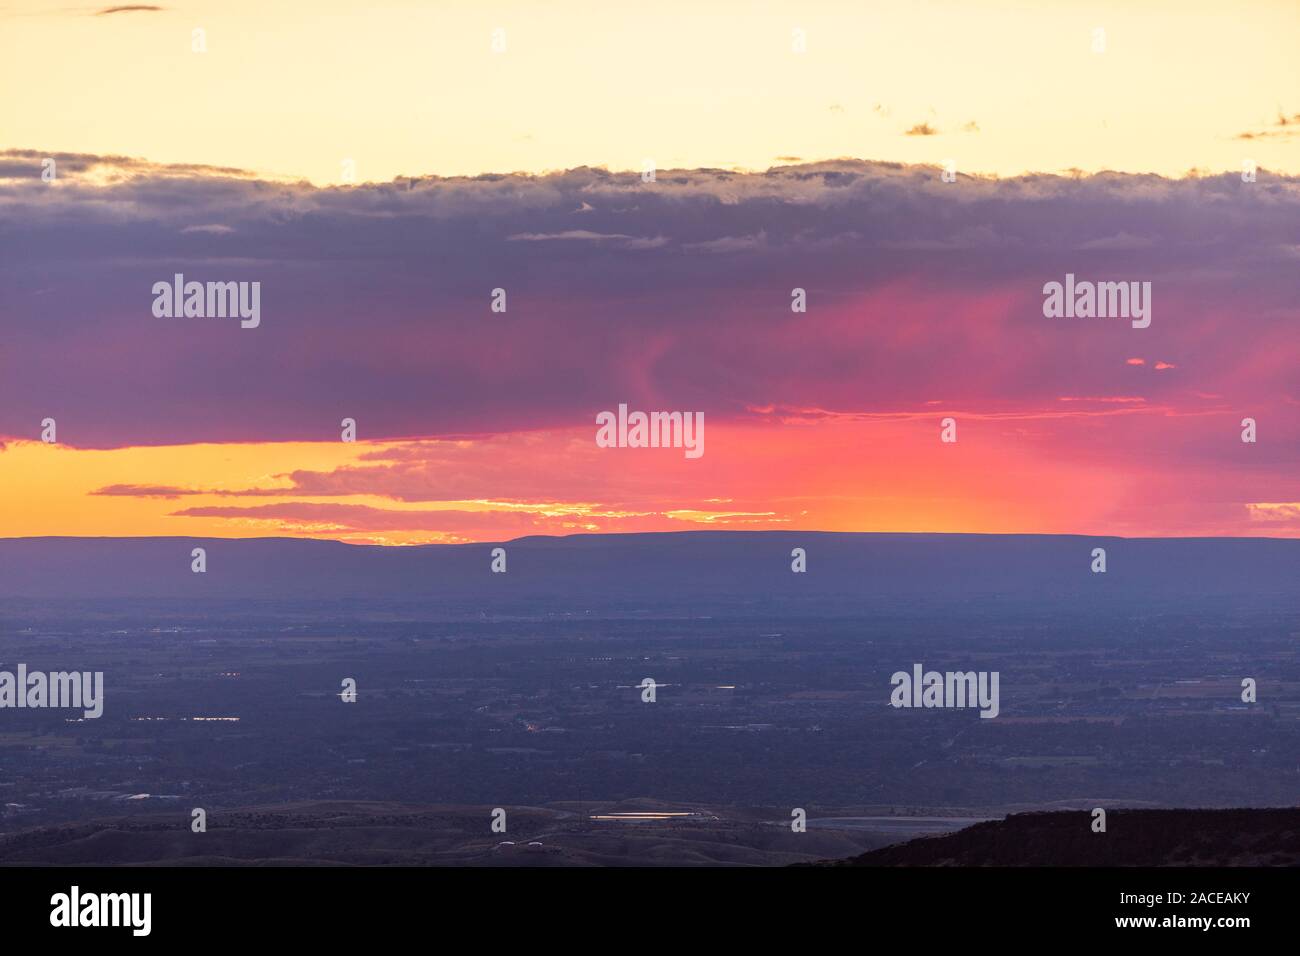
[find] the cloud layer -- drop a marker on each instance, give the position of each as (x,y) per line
(924,298)
(675,293)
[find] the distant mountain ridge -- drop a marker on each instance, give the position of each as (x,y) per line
(732,564)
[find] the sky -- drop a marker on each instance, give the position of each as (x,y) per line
(380,169)
(293,89)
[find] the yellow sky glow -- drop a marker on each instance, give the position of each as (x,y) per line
(294,89)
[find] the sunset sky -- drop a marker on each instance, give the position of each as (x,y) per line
(776,169)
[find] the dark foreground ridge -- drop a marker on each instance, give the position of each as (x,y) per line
(635,832)
(372,833)
(681,565)
(1267,837)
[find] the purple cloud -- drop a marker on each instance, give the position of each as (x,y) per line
(375,299)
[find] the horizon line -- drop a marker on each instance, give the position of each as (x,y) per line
(646,534)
